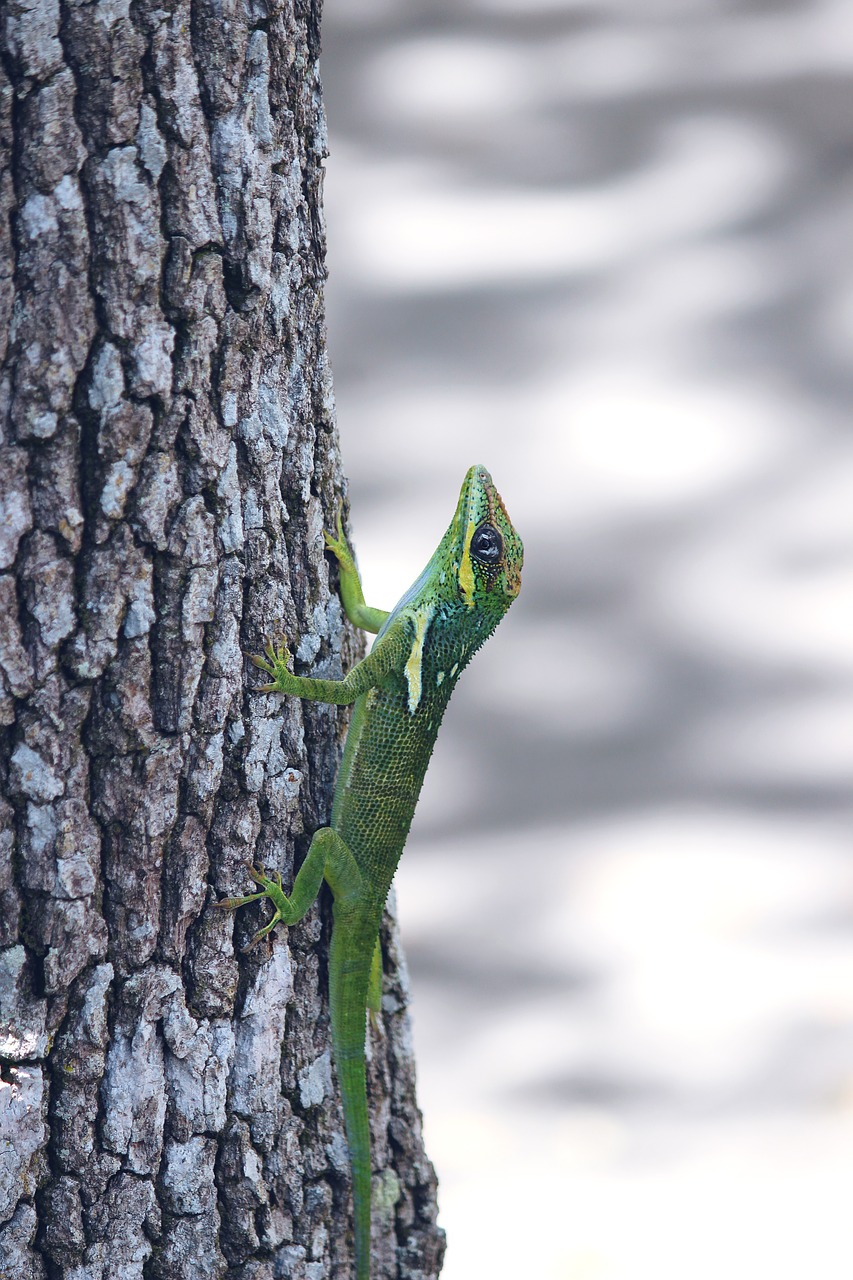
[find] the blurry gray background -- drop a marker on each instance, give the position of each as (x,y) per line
(605,249)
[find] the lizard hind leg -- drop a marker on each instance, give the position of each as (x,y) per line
(352,963)
(325,852)
(352,957)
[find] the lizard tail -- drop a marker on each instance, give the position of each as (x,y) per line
(348,983)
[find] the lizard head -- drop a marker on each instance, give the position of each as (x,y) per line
(464,591)
(483,548)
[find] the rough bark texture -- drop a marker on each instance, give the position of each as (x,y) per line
(169,460)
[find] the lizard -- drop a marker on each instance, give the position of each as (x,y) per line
(400,691)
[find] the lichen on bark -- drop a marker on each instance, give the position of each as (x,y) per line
(170,458)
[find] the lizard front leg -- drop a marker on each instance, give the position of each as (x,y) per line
(386,656)
(360,614)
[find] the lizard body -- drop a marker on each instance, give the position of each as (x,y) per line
(400,691)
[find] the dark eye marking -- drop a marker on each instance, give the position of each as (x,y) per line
(487,545)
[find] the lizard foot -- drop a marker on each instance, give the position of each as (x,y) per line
(275,664)
(271,889)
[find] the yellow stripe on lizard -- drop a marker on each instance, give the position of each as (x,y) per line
(466,569)
(414,666)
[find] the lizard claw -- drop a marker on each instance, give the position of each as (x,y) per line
(262,933)
(338,543)
(231,904)
(256,874)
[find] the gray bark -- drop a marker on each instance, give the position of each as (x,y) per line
(169,460)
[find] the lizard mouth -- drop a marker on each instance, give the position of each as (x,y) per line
(513,580)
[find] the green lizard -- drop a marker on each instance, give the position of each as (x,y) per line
(400,691)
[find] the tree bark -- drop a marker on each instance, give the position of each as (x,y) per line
(169,461)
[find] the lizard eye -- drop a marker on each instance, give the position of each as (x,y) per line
(487,545)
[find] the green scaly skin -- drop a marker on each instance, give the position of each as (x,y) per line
(400,693)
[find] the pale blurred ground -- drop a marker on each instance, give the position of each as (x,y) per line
(607,249)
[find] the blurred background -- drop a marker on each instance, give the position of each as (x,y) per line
(605,249)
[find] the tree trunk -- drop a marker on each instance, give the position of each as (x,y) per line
(169,461)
